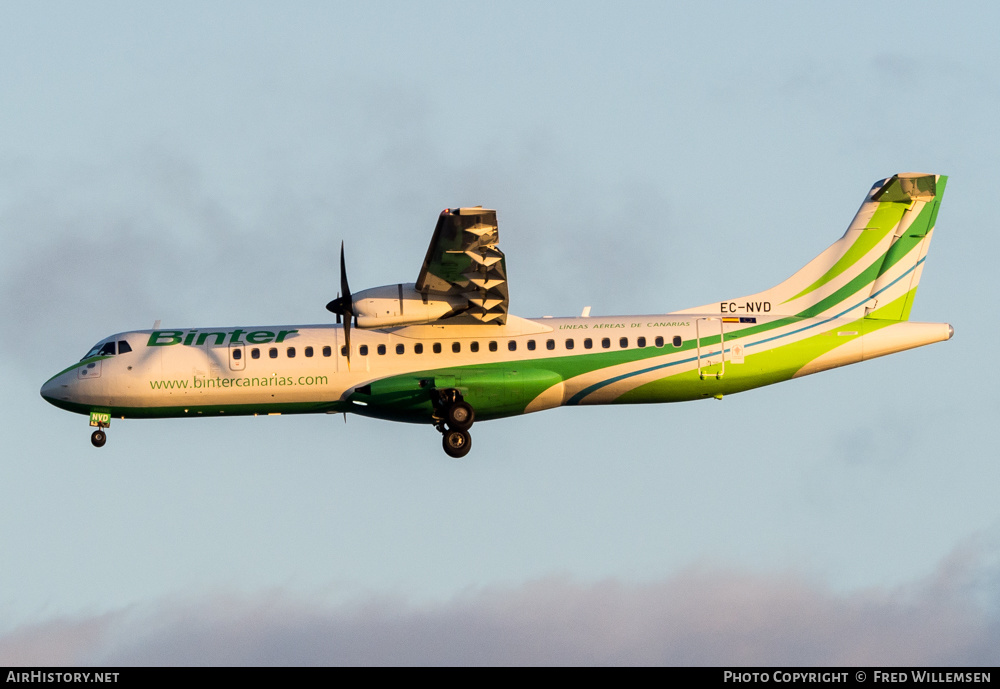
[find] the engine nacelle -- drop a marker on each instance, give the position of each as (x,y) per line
(402,304)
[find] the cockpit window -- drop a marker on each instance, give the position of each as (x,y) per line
(107,349)
(94,350)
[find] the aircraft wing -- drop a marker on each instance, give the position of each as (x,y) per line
(463,260)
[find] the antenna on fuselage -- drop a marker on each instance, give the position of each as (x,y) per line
(156,324)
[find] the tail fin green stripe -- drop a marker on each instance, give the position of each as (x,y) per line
(891,311)
(866,277)
(907,251)
(867,241)
(905,244)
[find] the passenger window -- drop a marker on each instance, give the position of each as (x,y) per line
(456,347)
(363,350)
(381,350)
(107,350)
(437,347)
(418,348)
(343,350)
(309,351)
(606,343)
(531,345)
(659,341)
(569,343)
(255,353)
(237,354)
(550,344)
(474,346)
(512,345)
(677,341)
(291,352)
(327,351)
(123,347)
(493,346)
(400,348)
(588,344)
(623,343)
(273,352)
(641,342)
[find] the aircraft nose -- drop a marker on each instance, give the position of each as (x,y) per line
(55,389)
(48,391)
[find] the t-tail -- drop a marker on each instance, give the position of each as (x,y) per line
(868,277)
(873,270)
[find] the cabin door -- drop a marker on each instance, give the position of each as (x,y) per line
(711,343)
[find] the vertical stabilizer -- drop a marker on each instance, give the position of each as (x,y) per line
(872,270)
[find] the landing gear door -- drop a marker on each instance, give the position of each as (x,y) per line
(237,356)
(711,341)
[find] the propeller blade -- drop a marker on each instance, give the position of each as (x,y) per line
(344,287)
(347,338)
(348,303)
(343,305)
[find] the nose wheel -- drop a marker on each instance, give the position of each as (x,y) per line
(98,438)
(454,418)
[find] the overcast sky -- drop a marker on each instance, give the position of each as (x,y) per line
(200,163)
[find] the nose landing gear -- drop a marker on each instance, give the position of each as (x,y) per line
(102,420)
(454,418)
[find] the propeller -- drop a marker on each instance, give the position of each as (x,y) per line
(343,305)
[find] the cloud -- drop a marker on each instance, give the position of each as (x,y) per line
(697,617)
(59,641)
(96,247)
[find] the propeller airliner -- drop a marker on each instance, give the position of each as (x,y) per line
(445,352)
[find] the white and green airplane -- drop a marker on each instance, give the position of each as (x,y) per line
(445,352)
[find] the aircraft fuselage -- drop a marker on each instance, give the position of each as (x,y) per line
(525,366)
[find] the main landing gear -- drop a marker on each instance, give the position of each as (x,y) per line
(98,438)
(454,418)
